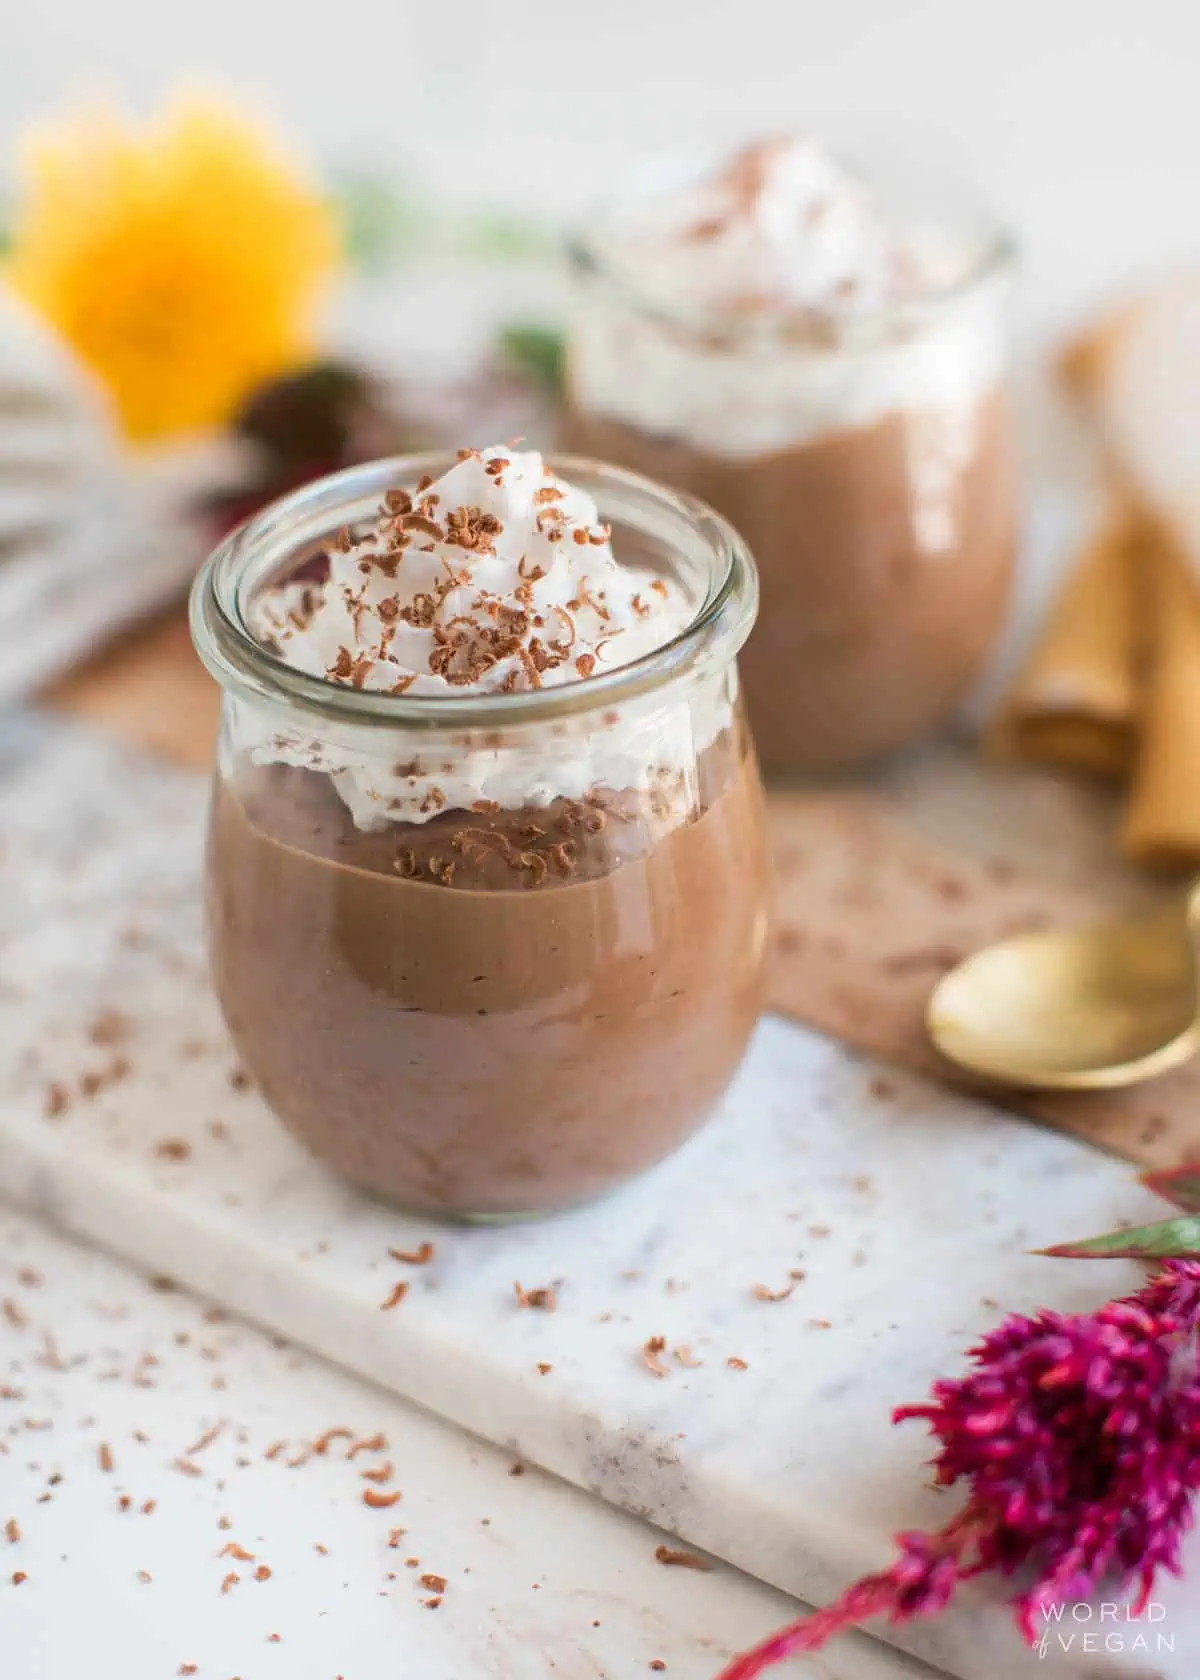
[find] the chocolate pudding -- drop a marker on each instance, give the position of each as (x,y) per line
(873,633)
(488,973)
(768,340)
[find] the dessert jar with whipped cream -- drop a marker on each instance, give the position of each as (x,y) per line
(486,873)
(820,353)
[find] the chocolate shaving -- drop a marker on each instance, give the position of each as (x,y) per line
(763,1293)
(110,1027)
(206,1440)
(380,1501)
(544,1299)
(399,1291)
(652,1351)
(681,1560)
(369,1443)
(420,1256)
(322,1443)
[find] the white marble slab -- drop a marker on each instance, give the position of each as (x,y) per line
(908,1209)
(540,1578)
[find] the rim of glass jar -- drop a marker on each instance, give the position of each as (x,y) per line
(590,253)
(250,553)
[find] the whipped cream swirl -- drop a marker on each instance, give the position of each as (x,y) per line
(770,303)
(782,227)
(496,578)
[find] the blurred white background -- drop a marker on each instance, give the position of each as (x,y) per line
(1080,116)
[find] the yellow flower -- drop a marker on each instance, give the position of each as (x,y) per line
(185,261)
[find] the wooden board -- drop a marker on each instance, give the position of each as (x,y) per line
(150,688)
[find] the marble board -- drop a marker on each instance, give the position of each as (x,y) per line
(761,1434)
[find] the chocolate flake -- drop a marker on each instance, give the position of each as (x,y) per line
(420,1256)
(544,1299)
(110,1027)
(682,1560)
(399,1291)
(369,1443)
(206,1440)
(380,1501)
(323,1442)
(652,1352)
(58,1100)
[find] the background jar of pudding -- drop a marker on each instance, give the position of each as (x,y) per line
(544,985)
(865,453)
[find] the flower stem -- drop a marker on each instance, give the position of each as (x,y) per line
(921,1582)
(874,1596)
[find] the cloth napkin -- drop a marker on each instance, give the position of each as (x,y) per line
(92,535)
(1112,688)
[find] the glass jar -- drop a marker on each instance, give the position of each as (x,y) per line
(867,459)
(531,996)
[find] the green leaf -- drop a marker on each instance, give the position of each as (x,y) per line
(1180,1185)
(379,221)
(499,237)
(1171,1239)
(537,351)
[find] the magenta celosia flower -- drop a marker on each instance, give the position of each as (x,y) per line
(1079,1440)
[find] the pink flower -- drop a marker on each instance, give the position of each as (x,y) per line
(1079,1440)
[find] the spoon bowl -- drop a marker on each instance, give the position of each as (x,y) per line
(1090,1008)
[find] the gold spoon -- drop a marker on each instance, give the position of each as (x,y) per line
(1080,1009)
